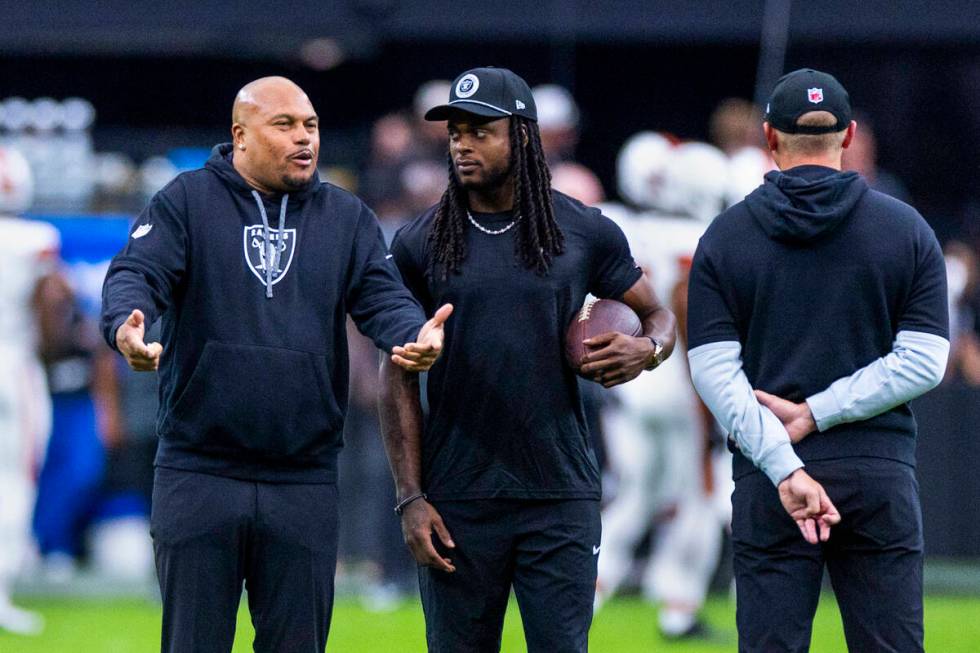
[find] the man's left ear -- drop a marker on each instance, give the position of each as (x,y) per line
(849,136)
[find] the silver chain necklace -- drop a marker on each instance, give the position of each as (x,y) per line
(492,232)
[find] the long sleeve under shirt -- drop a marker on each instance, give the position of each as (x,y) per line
(817,288)
(254,294)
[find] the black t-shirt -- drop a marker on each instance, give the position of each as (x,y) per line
(506,418)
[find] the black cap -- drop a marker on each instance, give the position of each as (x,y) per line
(805,90)
(489,92)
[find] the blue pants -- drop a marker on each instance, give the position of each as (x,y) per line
(70,481)
(211,534)
(873,557)
(546,550)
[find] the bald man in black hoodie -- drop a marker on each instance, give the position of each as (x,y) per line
(254,371)
(817,311)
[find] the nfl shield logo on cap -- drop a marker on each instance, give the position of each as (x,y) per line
(803,91)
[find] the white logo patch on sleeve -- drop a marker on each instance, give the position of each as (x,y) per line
(142,230)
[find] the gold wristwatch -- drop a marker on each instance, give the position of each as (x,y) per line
(658,349)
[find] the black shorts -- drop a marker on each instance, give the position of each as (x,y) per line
(211,534)
(874,559)
(546,550)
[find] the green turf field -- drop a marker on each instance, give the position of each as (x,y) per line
(624,626)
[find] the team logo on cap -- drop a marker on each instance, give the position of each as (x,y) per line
(467,85)
(815,95)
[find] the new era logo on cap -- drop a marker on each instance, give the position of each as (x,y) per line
(815,95)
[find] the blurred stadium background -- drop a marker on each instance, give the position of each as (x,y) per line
(108,101)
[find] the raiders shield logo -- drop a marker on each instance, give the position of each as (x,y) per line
(467,86)
(278,254)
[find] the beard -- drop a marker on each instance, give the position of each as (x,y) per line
(296,182)
(492,178)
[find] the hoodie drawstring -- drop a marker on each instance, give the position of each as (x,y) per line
(271,249)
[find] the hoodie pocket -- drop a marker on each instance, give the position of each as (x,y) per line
(256,401)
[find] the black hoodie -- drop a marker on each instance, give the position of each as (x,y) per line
(814,274)
(254,372)
(805,205)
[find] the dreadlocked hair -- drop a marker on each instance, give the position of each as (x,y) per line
(538,239)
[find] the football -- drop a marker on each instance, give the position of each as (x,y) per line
(598,316)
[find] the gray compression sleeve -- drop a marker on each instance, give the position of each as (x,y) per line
(915,365)
(716,370)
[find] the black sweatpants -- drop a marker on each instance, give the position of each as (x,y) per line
(211,534)
(874,559)
(546,550)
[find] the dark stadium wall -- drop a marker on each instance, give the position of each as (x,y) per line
(948,482)
(257,28)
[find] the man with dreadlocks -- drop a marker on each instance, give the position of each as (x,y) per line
(500,488)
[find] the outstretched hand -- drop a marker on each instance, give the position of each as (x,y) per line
(141,357)
(421,355)
(808,504)
(796,418)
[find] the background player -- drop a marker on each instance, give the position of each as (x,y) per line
(657,431)
(28,257)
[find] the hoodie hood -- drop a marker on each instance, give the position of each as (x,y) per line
(805,203)
(220,163)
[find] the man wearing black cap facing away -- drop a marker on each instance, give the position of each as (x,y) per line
(500,487)
(817,311)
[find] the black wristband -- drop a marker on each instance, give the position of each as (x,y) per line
(404,502)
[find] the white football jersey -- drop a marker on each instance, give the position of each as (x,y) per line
(662,245)
(28,251)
